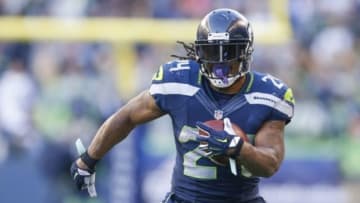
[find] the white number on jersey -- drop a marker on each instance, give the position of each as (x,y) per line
(191,168)
(277,83)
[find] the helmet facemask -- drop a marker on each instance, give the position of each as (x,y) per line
(223,61)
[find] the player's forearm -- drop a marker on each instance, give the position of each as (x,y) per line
(115,129)
(260,161)
(140,109)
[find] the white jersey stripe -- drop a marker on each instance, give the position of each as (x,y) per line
(173,88)
(271,101)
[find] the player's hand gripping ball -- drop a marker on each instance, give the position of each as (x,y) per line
(222,138)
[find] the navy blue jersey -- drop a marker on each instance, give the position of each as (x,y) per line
(180,90)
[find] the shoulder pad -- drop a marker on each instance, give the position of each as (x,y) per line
(180,71)
(271,91)
(266,83)
(174,83)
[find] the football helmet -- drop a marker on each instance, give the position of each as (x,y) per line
(223,46)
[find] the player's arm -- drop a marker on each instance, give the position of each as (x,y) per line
(265,156)
(140,109)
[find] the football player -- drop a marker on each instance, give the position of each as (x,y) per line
(213,82)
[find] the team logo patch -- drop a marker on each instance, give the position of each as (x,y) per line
(218,114)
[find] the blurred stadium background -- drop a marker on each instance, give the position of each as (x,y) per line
(66,65)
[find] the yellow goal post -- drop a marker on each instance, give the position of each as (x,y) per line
(124,32)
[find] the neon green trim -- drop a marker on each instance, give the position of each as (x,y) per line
(288,96)
(199,78)
(159,75)
(250,82)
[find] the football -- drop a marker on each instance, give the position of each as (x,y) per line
(219,125)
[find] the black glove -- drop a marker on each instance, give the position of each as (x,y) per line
(223,142)
(84,178)
(220,142)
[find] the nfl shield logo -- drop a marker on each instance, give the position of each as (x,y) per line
(218,114)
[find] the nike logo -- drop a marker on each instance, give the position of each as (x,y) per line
(222,140)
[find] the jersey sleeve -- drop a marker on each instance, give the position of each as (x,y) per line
(284,107)
(173,84)
(273,95)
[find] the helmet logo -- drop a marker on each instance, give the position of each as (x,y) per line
(218,36)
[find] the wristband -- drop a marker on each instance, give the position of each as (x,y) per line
(237,149)
(90,162)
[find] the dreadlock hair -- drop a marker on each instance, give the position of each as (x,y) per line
(190,51)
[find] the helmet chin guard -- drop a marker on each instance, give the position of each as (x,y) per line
(220,76)
(225,82)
